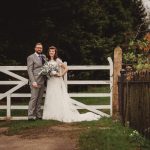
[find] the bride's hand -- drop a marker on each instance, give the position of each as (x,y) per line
(58,75)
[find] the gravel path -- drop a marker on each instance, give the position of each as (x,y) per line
(62,137)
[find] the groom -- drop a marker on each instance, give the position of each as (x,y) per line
(34,64)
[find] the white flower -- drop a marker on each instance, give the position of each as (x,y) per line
(53,72)
(49,68)
(135,132)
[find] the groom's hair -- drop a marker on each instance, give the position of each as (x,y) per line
(38,44)
(56,55)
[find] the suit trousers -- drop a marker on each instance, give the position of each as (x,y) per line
(34,110)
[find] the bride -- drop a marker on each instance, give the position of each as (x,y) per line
(58,105)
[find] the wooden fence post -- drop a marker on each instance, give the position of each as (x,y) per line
(116,74)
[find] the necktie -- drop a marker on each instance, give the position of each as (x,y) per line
(41,58)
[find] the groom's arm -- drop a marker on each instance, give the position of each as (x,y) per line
(30,65)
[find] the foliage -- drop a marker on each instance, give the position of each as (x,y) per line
(85,32)
(138,54)
(137,138)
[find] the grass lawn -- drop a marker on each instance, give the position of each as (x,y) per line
(19,126)
(108,134)
(104,134)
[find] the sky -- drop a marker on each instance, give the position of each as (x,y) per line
(146,4)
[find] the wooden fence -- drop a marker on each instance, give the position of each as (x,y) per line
(134,100)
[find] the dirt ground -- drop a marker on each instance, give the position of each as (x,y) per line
(61,137)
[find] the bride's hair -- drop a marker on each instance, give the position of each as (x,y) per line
(55,56)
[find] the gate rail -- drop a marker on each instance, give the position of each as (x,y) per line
(22,81)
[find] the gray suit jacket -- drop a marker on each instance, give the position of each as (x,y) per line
(34,65)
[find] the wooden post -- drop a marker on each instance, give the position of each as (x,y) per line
(8,107)
(116,74)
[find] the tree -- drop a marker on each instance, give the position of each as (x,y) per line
(85,32)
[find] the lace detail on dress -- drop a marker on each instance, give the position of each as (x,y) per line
(58,105)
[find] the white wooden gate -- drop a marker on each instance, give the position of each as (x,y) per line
(21,81)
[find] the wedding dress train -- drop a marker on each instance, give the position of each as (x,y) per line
(58,105)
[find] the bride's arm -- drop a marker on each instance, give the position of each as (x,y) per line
(65,69)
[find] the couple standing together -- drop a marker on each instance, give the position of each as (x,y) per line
(57,105)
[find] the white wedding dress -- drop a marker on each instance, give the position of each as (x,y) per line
(58,105)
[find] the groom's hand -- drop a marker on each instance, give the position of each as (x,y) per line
(34,84)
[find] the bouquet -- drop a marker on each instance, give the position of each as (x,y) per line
(49,68)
